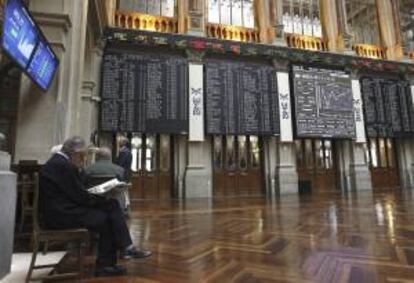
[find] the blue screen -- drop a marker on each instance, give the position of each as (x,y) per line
(43,65)
(20,34)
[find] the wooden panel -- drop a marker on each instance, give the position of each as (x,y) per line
(136,191)
(219,183)
(323,180)
(150,185)
(165,185)
(384,178)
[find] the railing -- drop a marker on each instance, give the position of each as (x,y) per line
(134,20)
(305,42)
(232,33)
(369,51)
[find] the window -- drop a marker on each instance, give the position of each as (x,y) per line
(231,12)
(362,21)
(230,153)
(154,7)
(136,144)
(302,17)
(381,153)
(255,151)
(242,140)
(165,154)
(218,152)
(407,24)
(150,153)
(314,153)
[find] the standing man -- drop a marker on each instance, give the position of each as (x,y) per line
(125,158)
(64,203)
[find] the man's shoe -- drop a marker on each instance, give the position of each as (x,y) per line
(134,253)
(108,271)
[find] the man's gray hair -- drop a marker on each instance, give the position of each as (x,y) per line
(103,153)
(73,145)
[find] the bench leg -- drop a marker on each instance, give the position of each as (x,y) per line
(80,261)
(33,261)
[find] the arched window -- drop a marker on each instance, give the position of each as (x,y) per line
(164,8)
(231,12)
(302,17)
(363,21)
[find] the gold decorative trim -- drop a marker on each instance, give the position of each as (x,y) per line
(369,51)
(300,41)
(235,33)
(134,20)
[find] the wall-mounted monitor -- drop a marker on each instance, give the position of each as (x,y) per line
(25,44)
(20,35)
(43,65)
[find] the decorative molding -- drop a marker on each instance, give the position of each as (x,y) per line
(281,65)
(195,56)
(88,86)
(62,21)
(58,45)
(293,55)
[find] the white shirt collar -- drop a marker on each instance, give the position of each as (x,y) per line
(63,154)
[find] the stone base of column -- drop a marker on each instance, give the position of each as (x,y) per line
(197,183)
(7,213)
(279,41)
(406,178)
(287,180)
(195,24)
(360,178)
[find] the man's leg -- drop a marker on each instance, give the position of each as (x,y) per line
(119,227)
(98,221)
(122,235)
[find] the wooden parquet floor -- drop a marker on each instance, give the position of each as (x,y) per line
(356,237)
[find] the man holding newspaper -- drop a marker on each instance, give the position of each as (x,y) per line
(64,203)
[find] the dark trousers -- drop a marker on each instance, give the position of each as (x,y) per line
(109,222)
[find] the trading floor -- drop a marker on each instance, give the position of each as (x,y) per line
(364,237)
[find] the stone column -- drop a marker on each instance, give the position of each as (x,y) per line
(7,212)
(262,19)
(329,20)
(198,171)
(389,27)
(271,163)
(345,38)
(286,173)
(47,118)
(182,16)
(196,18)
(359,170)
(276,22)
(405,154)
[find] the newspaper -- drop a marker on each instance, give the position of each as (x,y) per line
(107,187)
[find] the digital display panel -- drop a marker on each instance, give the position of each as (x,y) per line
(20,34)
(43,65)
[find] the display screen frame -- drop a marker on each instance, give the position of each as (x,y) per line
(40,38)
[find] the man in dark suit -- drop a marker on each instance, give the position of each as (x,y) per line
(125,158)
(64,203)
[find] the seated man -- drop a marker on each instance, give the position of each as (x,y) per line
(64,203)
(104,167)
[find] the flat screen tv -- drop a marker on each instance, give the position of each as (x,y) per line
(43,65)
(25,44)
